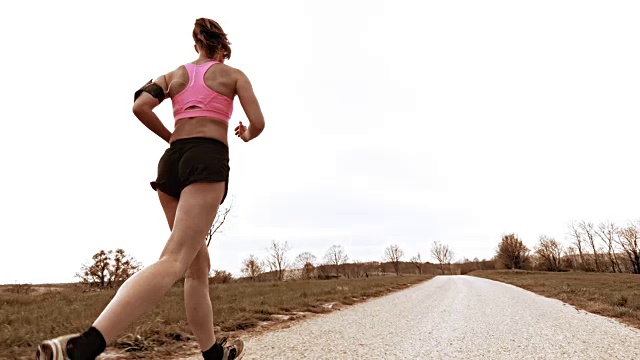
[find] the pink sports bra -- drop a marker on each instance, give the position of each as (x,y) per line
(200,98)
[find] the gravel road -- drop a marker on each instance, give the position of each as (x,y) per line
(452,317)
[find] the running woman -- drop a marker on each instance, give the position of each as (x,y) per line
(192,181)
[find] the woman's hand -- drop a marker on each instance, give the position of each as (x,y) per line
(242,132)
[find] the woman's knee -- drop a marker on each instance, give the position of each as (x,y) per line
(180,252)
(198,270)
(196,274)
(173,266)
(200,266)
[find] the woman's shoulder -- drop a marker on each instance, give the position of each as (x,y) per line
(237,73)
(176,71)
(229,68)
(229,72)
(175,78)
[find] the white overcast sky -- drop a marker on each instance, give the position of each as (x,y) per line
(388,122)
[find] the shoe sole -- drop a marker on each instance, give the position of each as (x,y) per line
(50,350)
(45,352)
(54,349)
(239,356)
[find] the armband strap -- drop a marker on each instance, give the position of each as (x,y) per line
(153,89)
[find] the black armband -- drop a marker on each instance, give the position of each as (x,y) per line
(153,89)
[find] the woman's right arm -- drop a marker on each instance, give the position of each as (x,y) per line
(251,108)
(143,107)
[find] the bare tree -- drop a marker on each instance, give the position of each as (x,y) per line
(442,254)
(277,259)
(97,273)
(512,252)
(571,259)
(394,254)
(252,268)
(336,256)
(589,231)
(576,238)
(417,262)
(106,271)
(122,268)
(359,269)
(550,251)
(221,216)
(306,262)
(607,233)
(628,239)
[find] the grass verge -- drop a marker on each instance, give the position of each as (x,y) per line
(26,319)
(612,295)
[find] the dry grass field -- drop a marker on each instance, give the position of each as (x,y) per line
(613,295)
(31,314)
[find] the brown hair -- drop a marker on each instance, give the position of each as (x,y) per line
(211,38)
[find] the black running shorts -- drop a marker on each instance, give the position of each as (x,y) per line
(192,160)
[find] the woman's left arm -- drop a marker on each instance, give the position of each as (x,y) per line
(146,101)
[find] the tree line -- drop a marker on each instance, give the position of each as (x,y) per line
(605,247)
(111,268)
(278,265)
(108,268)
(602,247)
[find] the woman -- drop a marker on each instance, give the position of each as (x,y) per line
(192,181)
